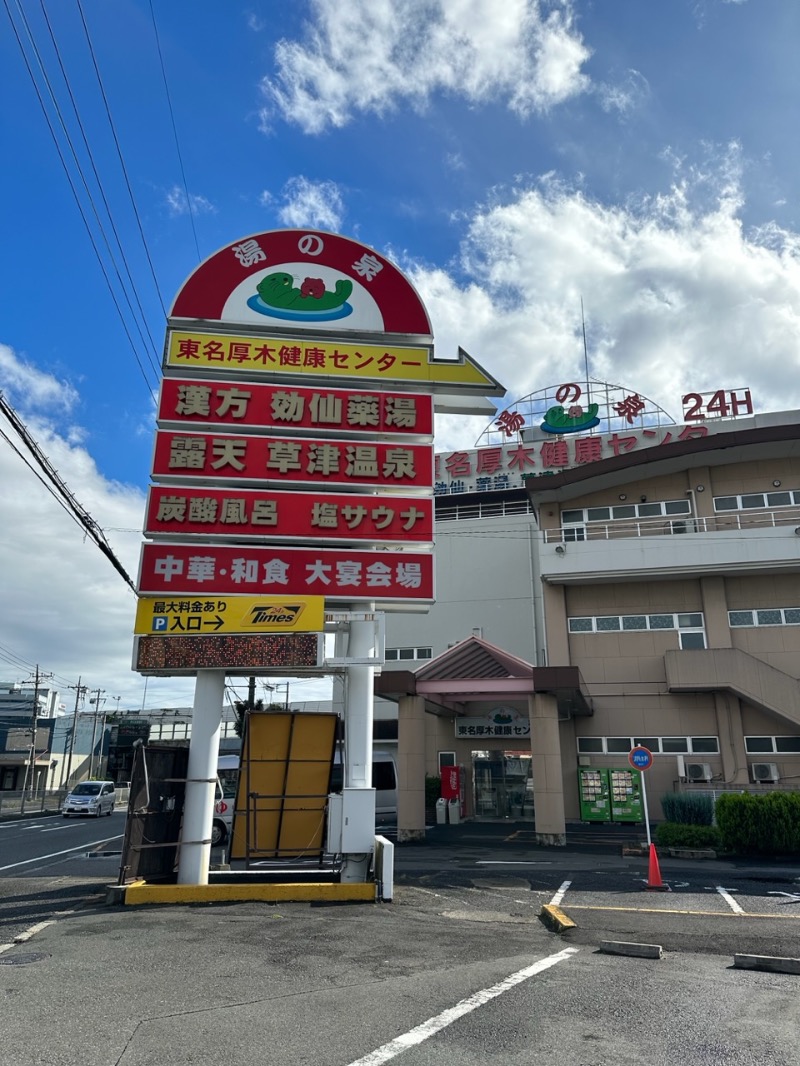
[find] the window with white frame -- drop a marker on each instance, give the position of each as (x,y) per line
(396,654)
(657,745)
(772,745)
(573,521)
(690,625)
(755,501)
(765,616)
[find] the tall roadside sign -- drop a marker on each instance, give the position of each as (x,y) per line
(293,469)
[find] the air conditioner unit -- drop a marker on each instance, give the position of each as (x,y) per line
(698,771)
(765,771)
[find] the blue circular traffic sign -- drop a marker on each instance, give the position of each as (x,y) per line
(640,758)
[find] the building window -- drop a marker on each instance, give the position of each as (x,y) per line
(621,745)
(393,654)
(770,745)
(659,745)
(590,745)
(769,616)
(446,758)
(674,745)
(690,625)
(579,517)
(756,501)
(704,745)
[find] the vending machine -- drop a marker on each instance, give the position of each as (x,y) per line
(594,798)
(610,795)
(626,795)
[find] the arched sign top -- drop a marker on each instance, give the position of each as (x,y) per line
(302,279)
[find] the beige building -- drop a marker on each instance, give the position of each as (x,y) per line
(638,593)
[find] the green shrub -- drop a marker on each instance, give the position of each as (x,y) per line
(688,808)
(752,824)
(680,835)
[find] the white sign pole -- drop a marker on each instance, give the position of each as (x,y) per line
(198,809)
(358,716)
(642,778)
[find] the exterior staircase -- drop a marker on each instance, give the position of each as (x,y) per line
(749,678)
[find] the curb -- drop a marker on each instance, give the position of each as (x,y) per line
(141,894)
(769,963)
(554,918)
(638,951)
(692,853)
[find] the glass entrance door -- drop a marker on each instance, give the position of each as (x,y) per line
(503,784)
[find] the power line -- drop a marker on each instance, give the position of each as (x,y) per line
(90,154)
(121,159)
(74,191)
(175,131)
(83,517)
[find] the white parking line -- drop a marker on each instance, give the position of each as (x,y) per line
(66,851)
(554,902)
(465,1006)
(512,862)
(32,930)
(734,906)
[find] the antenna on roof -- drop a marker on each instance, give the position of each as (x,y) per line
(585,355)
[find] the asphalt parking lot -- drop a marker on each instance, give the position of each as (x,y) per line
(458,968)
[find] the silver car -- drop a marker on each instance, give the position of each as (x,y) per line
(91,797)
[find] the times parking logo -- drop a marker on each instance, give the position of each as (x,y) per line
(273,614)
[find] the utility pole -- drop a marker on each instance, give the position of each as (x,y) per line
(80,692)
(30,769)
(96,702)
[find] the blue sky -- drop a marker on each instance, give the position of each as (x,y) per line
(513,159)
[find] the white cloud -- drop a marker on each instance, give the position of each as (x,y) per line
(72,612)
(372,55)
(312,204)
(65,607)
(24,384)
(178,203)
(625,95)
(678,295)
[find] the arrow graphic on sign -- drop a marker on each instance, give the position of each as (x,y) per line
(332,361)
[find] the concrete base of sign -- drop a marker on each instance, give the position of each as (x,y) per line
(141,893)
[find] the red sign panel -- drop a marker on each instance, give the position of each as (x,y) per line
(292,460)
(337,574)
(299,273)
(228,403)
(236,513)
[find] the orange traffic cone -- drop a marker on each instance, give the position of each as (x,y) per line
(654,880)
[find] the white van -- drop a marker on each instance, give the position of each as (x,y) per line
(225,799)
(384,781)
(91,797)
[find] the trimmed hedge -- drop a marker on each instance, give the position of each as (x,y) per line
(688,808)
(751,824)
(681,835)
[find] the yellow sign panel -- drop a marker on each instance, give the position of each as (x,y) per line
(283,785)
(229,614)
(294,356)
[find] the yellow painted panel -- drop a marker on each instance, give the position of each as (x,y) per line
(283,785)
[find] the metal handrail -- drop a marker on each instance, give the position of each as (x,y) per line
(676,525)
